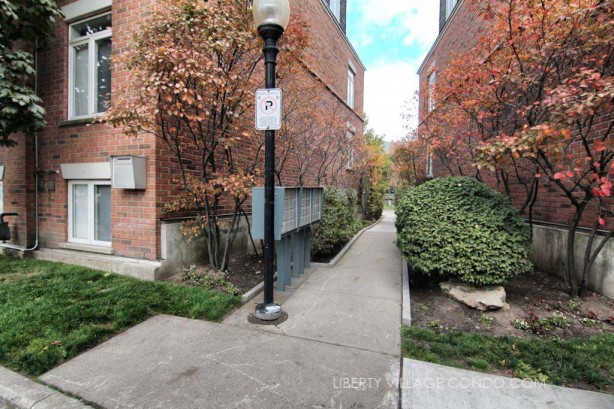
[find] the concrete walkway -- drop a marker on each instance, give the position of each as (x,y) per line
(430,386)
(339,348)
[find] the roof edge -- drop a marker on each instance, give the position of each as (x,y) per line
(441,34)
(344,35)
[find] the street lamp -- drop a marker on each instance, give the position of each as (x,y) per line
(271,18)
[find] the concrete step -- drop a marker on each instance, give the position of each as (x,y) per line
(131,267)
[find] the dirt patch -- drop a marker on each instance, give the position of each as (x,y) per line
(245,272)
(539,306)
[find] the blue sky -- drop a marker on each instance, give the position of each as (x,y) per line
(391,38)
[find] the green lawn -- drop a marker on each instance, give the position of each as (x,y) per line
(49,312)
(586,363)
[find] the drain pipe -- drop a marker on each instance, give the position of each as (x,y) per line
(36,165)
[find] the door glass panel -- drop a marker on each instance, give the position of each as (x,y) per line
(102,210)
(79,212)
(103,74)
(80,92)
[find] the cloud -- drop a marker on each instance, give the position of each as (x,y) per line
(392,37)
(388,85)
(416,20)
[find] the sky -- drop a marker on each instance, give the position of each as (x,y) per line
(392,37)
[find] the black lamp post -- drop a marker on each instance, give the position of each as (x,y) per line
(271,18)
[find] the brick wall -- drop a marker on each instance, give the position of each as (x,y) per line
(460,34)
(136,214)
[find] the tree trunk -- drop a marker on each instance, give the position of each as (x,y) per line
(571,258)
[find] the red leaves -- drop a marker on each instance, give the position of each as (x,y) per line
(599,146)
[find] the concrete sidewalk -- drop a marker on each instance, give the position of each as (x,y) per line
(340,347)
(426,386)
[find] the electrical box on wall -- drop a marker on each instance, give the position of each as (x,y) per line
(129,172)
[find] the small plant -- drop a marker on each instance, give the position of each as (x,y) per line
(192,276)
(521,325)
(588,322)
(433,324)
(424,307)
(526,371)
(486,320)
(537,324)
(559,320)
(572,305)
(556,320)
(209,281)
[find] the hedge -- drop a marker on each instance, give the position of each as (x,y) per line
(458,226)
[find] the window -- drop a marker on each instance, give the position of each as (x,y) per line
(89,212)
(432,78)
(349,151)
(351,80)
(429,165)
(449,7)
(89,67)
(335,7)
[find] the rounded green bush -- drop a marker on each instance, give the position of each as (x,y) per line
(458,226)
(339,222)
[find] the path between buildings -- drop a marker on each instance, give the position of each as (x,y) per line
(339,348)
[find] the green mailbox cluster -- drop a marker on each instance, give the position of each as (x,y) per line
(296,209)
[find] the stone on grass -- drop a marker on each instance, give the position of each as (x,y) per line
(483,299)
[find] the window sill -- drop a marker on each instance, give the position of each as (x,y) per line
(88,121)
(87,248)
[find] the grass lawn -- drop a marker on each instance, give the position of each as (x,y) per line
(586,363)
(50,312)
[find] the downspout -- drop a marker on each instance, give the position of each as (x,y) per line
(36,160)
(36,164)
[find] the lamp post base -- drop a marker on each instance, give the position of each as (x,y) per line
(267,312)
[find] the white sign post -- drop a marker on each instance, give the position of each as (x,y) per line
(268,109)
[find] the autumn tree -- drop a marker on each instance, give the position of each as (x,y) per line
(532,102)
(374,170)
(23,24)
(409,157)
(194,69)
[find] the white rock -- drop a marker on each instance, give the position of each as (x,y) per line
(483,299)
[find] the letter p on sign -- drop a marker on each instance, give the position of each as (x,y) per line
(268,109)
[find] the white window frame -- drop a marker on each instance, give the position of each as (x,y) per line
(429,165)
(1,196)
(450,4)
(91,41)
(350,150)
(431,80)
(90,212)
(335,7)
(351,87)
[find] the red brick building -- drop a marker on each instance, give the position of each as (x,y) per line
(61,182)
(459,31)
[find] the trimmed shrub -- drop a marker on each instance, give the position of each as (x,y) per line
(458,226)
(339,222)
(375,203)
